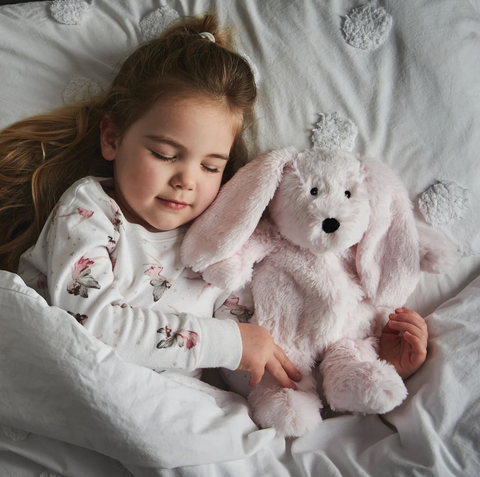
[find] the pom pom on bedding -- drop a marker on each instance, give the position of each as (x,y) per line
(155,22)
(80,89)
(367,27)
(13,433)
(444,202)
(69,12)
(334,132)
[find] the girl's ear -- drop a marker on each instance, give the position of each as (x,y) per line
(108,139)
(228,223)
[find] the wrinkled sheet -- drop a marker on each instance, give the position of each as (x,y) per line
(416,102)
(86,409)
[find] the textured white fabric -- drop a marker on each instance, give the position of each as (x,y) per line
(334,132)
(367,27)
(444,202)
(127,286)
(70,12)
(155,22)
(80,89)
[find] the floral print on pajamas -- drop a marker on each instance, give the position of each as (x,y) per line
(127,286)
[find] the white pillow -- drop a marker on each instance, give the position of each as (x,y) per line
(414,97)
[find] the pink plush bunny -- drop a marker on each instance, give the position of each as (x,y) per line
(336,251)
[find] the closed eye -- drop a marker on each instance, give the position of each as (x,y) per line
(173,158)
(211,169)
(162,157)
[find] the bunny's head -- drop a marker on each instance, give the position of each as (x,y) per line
(322,202)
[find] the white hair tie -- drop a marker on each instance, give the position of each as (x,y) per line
(208,36)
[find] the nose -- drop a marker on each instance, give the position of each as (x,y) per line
(330,225)
(183,179)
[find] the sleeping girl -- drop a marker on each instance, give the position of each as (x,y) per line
(96,198)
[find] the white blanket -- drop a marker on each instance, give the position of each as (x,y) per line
(82,403)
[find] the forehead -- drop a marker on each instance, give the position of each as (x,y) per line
(201,111)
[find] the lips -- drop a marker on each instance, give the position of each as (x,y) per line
(173,204)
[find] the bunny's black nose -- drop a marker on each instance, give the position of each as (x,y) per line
(330,225)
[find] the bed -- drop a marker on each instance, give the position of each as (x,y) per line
(397,81)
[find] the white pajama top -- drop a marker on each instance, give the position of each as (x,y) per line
(128,287)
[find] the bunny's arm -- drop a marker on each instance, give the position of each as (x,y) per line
(235,272)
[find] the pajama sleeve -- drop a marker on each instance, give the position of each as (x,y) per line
(81,279)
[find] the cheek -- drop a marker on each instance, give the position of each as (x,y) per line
(210,191)
(136,181)
(141,171)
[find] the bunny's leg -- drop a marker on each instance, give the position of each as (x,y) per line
(354,379)
(291,412)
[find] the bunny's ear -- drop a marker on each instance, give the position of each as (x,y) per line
(388,260)
(228,223)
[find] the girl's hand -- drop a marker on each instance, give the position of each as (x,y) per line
(408,352)
(261,353)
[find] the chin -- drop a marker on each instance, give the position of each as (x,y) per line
(165,226)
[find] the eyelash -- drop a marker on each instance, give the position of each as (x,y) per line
(213,170)
(163,158)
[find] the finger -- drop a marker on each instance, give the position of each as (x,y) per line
(409,315)
(418,346)
(387,329)
(278,373)
(403,309)
(286,364)
(412,318)
(402,326)
(256,376)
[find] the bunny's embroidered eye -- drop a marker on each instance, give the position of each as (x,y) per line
(348,194)
(314,191)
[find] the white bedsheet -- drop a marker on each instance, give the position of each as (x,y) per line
(416,102)
(86,409)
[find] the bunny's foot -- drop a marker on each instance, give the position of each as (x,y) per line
(370,387)
(354,379)
(291,412)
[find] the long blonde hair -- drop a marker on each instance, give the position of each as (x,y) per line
(40,157)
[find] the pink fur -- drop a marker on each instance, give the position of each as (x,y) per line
(355,380)
(437,253)
(320,291)
(213,243)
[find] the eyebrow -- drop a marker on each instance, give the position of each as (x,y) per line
(172,142)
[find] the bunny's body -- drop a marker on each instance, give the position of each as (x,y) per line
(301,297)
(338,250)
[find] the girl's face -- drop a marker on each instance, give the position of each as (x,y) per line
(169,164)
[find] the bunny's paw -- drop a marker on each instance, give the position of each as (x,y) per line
(291,413)
(371,387)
